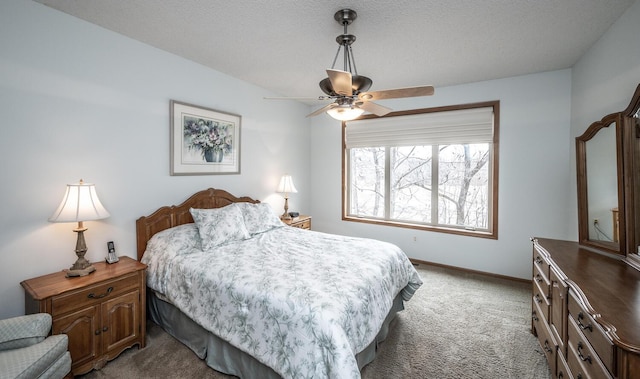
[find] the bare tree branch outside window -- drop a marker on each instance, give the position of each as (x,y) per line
(431,169)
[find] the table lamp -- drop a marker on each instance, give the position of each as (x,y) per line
(80,203)
(286,187)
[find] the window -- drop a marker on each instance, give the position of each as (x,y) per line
(433,169)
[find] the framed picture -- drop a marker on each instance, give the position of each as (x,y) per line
(203,141)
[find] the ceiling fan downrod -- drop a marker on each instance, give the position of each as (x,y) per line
(359,83)
(345,17)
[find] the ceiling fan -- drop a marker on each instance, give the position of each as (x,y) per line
(348,89)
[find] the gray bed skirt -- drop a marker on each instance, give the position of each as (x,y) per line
(221,355)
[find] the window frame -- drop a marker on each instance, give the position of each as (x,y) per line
(491,233)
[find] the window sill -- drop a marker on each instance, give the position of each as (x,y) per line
(430,228)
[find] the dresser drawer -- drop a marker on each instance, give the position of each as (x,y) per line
(305,224)
(541,263)
(592,332)
(541,299)
(88,296)
(563,369)
(548,344)
(582,357)
(541,280)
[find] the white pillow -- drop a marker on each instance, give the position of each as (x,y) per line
(169,243)
(259,218)
(218,226)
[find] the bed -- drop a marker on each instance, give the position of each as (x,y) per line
(255,298)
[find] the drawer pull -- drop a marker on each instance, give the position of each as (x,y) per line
(579,376)
(538,299)
(94,296)
(539,278)
(546,347)
(581,325)
(534,317)
(538,260)
(582,357)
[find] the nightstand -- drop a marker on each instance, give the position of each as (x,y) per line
(103,313)
(302,222)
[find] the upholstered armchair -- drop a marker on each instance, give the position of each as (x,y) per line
(27,352)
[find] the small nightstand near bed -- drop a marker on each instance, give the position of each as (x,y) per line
(302,222)
(103,313)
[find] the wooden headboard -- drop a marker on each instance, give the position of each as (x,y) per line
(173,215)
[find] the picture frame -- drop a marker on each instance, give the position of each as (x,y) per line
(204,141)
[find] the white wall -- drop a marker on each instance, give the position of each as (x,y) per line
(533,171)
(603,82)
(78,101)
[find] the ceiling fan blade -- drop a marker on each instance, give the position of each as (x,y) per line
(319,98)
(323,109)
(397,93)
(341,82)
(374,108)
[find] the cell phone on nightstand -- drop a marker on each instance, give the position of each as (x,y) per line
(111,253)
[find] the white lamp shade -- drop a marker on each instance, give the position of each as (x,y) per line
(345,112)
(286,185)
(80,203)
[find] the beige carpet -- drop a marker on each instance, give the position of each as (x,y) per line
(458,325)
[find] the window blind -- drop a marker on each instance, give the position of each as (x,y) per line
(437,128)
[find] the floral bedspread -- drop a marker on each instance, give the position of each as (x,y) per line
(301,302)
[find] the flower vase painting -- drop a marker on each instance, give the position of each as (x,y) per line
(212,139)
(203,141)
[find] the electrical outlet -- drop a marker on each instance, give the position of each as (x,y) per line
(595,221)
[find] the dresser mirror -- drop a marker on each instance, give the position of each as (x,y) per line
(608,170)
(599,187)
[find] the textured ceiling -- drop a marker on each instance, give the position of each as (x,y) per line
(285,45)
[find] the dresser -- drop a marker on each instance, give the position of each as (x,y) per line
(585,311)
(103,313)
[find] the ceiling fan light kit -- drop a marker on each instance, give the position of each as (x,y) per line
(348,90)
(345,112)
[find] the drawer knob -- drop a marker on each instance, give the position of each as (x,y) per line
(538,299)
(104,329)
(538,260)
(581,325)
(582,357)
(538,278)
(546,347)
(97,332)
(534,317)
(94,296)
